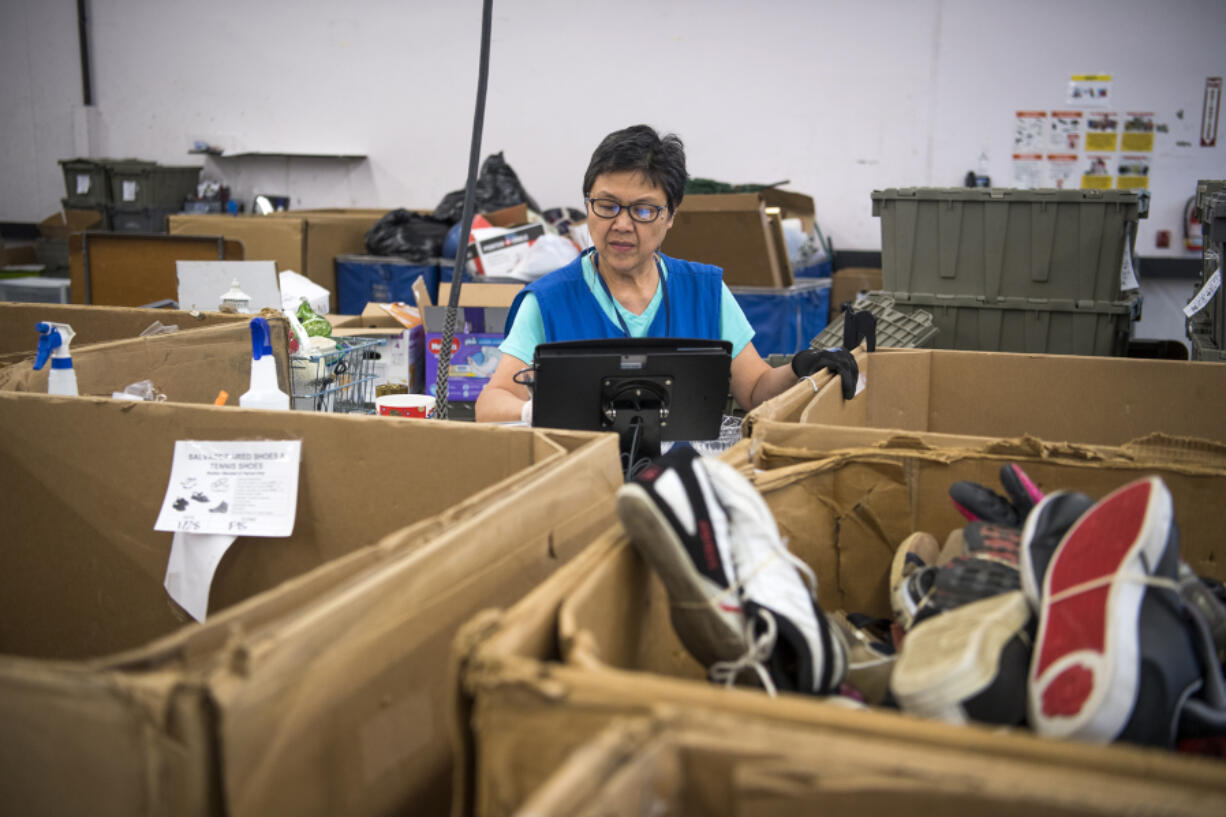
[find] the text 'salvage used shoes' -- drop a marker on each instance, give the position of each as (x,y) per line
(1113,656)
(674,520)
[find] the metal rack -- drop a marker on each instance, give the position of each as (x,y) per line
(341,381)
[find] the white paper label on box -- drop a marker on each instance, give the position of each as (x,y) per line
(190,569)
(82,183)
(1206,293)
(129,190)
(1128,276)
(861,384)
(239,488)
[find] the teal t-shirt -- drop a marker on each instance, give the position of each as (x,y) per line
(528,331)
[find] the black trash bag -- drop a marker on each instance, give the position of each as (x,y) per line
(497,187)
(412,236)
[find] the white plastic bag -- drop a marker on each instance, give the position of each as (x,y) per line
(547,253)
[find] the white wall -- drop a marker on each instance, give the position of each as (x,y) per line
(840,97)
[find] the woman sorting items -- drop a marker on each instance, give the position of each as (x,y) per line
(624,287)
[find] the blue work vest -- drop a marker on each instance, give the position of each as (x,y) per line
(690,308)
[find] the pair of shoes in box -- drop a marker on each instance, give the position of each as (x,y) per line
(739,601)
(1085,635)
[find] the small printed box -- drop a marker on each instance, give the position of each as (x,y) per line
(400,365)
(480,323)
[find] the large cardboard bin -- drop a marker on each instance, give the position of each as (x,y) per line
(93,324)
(713,764)
(319,684)
(946,396)
(186,367)
(595,643)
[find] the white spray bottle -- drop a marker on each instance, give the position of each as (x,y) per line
(53,340)
(263,392)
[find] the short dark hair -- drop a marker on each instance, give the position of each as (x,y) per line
(639,148)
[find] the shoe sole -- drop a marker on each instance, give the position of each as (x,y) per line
(711,628)
(950,658)
(1084,675)
(919,545)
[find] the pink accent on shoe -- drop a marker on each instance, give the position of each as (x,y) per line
(968,514)
(1032,490)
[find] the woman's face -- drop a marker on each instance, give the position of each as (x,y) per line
(626,246)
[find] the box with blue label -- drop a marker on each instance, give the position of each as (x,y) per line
(363,279)
(479,327)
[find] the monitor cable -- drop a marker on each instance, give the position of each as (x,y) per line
(466,219)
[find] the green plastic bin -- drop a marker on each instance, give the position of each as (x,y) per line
(1028,325)
(997,243)
(138,219)
(86,182)
(1204,349)
(148,185)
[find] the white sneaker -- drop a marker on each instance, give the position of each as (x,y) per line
(739,599)
(790,638)
(680,529)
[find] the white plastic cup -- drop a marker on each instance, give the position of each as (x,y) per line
(405,405)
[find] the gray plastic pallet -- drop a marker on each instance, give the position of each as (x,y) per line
(895,329)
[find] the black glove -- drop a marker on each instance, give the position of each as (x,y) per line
(839,361)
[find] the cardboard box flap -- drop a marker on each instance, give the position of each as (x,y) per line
(60,225)
(187,367)
(479,294)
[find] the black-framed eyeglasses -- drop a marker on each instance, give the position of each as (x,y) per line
(642,213)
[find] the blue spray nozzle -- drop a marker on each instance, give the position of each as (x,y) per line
(261,338)
(48,341)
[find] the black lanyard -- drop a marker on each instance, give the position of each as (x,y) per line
(616,312)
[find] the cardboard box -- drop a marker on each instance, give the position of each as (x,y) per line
(93,324)
(187,367)
(721,765)
(128,269)
(952,398)
(305,241)
(18,257)
(401,362)
(498,255)
(319,683)
(734,231)
(848,282)
(58,226)
(479,329)
(595,643)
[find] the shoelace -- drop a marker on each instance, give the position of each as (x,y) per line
(760,649)
(1154,581)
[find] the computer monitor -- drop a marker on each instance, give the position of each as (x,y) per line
(648,390)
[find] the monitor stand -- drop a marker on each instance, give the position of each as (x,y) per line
(637,410)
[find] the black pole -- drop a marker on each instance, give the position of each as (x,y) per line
(87,90)
(466,219)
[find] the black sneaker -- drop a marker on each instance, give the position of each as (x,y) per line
(968,663)
(1045,527)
